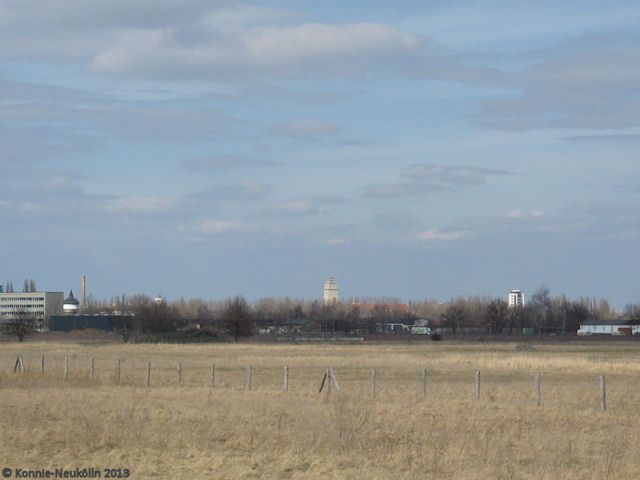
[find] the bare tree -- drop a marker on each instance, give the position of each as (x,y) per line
(21,324)
(575,314)
(513,316)
(632,311)
(124,326)
(236,318)
(540,303)
(454,316)
(496,316)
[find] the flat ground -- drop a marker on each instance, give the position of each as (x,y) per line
(228,432)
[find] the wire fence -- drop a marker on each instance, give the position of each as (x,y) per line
(80,370)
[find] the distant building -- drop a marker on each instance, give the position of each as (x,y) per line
(516,298)
(39,305)
(610,327)
(71,305)
(330,292)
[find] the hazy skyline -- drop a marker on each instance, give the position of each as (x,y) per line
(410,149)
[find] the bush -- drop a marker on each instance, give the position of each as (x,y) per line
(436,337)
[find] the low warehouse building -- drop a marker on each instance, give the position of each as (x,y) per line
(610,327)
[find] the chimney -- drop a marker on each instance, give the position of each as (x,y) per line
(84,291)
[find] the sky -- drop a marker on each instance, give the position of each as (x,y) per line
(415,149)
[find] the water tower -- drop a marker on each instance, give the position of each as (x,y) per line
(71,305)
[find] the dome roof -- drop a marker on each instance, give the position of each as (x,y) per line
(71,300)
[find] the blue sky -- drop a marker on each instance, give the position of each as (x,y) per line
(413,149)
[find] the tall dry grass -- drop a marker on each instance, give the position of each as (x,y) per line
(192,431)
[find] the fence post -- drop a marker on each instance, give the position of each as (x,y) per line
(424,382)
(249,377)
(66,366)
(19,366)
(603,393)
(373,383)
(42,364)
(118,373)
(93,367)
(285,386)
(148,374)
(213,374)
(477,384)
(333,379)
(536,380)
(179,374)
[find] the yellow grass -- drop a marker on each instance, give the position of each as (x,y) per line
(227,432)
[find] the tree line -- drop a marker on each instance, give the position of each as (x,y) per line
(543,314)
(235,317)
(28,286)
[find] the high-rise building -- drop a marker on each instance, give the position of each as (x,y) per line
(330,291)
(516,298)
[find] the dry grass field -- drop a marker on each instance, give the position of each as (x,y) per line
(228,432)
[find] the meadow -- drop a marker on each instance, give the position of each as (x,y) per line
(194,431)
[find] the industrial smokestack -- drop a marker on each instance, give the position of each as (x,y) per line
(84,291)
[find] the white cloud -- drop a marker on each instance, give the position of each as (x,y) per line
(435,234)
(293,208)
(31,207)
(140,204)
(401,189)
(248,191)
(423,179)
(289,50)
(222,227)
(559,86)
(305,129)
(338,241)
(57,184)
(452,174)
(524,214)
(223,162)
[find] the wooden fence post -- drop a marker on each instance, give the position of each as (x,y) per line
(603,393)
(249,377)
(66,366)
(118,373)
(213,374)
(149,374)
(373,383)
(285,386)
(179,374)
(477,384)
(333,379)
(424,382)
(42,364)
(536,381)
(93,367)
(19,366)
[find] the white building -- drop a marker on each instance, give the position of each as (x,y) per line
(330,291)
(71,305)
(610,327)
(516,298)
(40,305)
